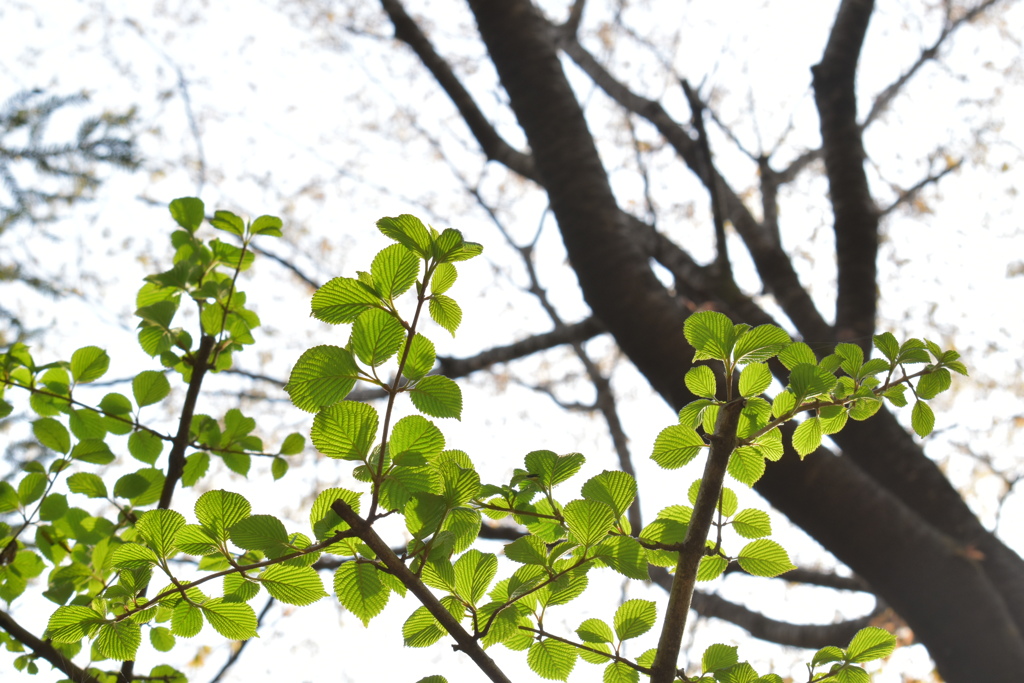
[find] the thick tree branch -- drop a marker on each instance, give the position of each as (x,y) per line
(44,649)
(492,144)
(856,217)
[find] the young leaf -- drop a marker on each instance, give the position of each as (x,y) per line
(119,640)
(52,434)
(443,278)
(188,212)
(619,672)
(700,379)
(760,344)
(754,379)
(150,387)
(322,376)
(377,336)
(870,643)
(414,434)
(407,230)
(718,657)
(595,631)
(86,483)
(551,659)
(293,444)
(807,436)
(634,618)
(527,550)
(437,396)
(625,555)
(746,465)
(752,523)
(420,359)
(234,620)
(474,572)
(711,334)
(342,300)
(922,419)
(158,528)
(445,312)
(588,521)
(145,446)
(221,510)
(260,532)
(345,430)
(89,363)
(228,222)
(676,446)
(615,489)
(797,353)
(933,384)
(293,585)
(421,629)
(711,567)
(394,270)
(266,225)
(764,558)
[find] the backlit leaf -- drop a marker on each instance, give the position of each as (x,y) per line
(322,376)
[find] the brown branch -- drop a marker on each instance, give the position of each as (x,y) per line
(465,641)
(911,193)
(723,443)
(44,649)
(492,144)
(856,217)
(772,263)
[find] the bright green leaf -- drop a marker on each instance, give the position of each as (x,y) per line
(676,446)
(634,618)
(437,396)
(551,659)
(342,300)
(322,376)
(150,387)
(89,363)
(922,419)
(345,430)
(764,558)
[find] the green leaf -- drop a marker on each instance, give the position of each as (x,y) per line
(266,225)
(797,353)
(293,444)
(711,334)
(754,379)
(52,434)
(595,631)
(700,379)
(293,585)
(625,555)
(93,451)
(342,300)
(89,363)
(162,639)
(718,657)
(807,380)
(634,618)
(219,511)
(760,344)
(260,532)
(234,620)
(376,336)
(437,396)
(870,643)
(933,384)
(764,558)
(421,629)
(53,507)
(588,520)
(527,550)
(145,446)
(394,270)
(746,465)
(752,523)
(150,387)
(141,487)
(322,376)
(31,487)
(278,468)
(852,674)
(414,434)
(345,430)
(807,436)
(833,419)
(620,672)
(119,640)
(551,659)
(115,404)
(922,419)
(406,230)
(443,278)
(615,489)
(424,514)
(228,222)
(711,567)
(87,483)
(322,519)
(887,344)
(445,312)
(133,556)
(829,653)
(158,528)
(676,446)
(420,359)
(195,540)
(196,466)
(474,572)
(188,212)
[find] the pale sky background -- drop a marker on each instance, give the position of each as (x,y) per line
(300,122)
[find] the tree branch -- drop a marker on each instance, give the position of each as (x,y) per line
(44,649)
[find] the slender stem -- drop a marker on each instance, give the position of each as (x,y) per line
(723,443)
(385,554)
